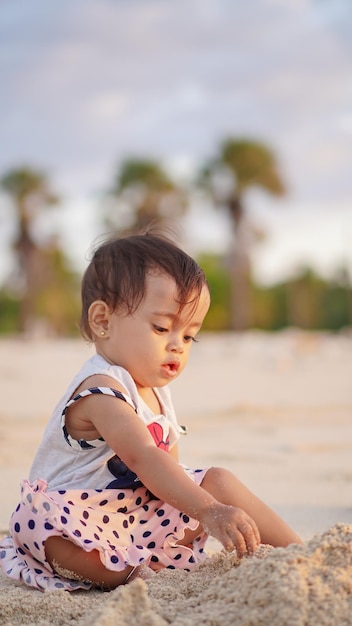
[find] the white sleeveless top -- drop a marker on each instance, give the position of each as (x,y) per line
(65,463)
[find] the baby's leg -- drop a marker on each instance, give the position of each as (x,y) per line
(226,488)
(71,561)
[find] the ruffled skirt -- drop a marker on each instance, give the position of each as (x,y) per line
(128,527)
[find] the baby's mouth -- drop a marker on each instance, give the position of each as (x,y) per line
(172,367)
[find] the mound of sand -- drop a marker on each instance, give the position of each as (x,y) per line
(300,585)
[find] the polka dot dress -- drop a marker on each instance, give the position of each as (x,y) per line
(128,527)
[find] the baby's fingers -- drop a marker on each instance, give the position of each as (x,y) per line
(244,537)
(237,542)
(250,537)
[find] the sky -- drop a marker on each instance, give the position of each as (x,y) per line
(86,84)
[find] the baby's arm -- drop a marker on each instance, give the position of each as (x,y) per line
(126,434)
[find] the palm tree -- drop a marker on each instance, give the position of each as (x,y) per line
(145,194)
(239,165)
(30,193)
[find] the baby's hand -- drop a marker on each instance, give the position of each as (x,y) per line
(232,527)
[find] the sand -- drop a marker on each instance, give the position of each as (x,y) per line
(277,411)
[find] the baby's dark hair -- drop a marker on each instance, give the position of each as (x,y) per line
(118,269)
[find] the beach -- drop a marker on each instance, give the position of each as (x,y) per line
(276,409)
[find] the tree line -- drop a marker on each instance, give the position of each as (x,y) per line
(43,289)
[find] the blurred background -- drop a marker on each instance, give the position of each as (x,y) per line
(227,122)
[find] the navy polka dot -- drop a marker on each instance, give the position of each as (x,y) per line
(115,515)
(21,551)
(62,492)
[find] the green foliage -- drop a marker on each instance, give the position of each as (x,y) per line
(143,172)
(50,290)
(269,307)
(9,313)
(56,306)
(25,182)
(151,195)
(239,165)
(218,317)
(58,301)
(306,301)
(252,163)
(317,304)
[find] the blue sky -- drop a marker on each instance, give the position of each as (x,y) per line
(87,83)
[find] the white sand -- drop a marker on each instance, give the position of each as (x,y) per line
(276,410)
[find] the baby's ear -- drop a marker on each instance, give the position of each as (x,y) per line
(99,316)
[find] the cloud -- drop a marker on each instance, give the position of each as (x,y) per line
(87,83)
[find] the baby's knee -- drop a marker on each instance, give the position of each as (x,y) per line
(216,478)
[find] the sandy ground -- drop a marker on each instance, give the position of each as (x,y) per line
(277,411)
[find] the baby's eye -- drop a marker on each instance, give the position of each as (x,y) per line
(159,329)
(189,338)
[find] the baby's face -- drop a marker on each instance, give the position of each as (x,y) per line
(154,343)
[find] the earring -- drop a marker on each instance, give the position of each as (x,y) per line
(102,333)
